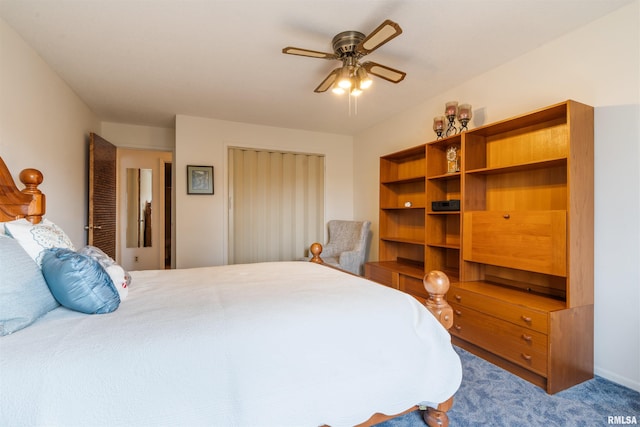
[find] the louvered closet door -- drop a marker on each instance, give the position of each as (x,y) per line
(276,204)
(101,229)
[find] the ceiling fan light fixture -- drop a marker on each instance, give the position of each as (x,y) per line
(344,80)
(337,89)
(363,78)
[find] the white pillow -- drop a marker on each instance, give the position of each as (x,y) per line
(36,238)
(119,279)
(118,275)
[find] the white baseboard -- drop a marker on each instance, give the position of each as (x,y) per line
(612,376)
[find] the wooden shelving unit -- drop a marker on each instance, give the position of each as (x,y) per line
(519,252)
(402,208)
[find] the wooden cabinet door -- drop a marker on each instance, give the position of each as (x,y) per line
(529,240)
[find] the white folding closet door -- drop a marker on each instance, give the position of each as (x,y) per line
(276,204)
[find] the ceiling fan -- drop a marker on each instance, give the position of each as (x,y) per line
(349,47)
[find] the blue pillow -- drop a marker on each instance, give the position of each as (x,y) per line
(79,282)
(24,295)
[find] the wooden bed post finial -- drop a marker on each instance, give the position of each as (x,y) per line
(27,203)
(316,250)
(32,178)
(437,284)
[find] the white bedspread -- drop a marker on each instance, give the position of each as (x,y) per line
(271,344)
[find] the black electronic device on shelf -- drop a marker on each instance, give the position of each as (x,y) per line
(445,205)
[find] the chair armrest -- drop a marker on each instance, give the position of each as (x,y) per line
(350,260)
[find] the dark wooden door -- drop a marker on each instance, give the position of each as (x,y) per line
(102,195)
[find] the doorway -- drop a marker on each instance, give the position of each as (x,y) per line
(149,208)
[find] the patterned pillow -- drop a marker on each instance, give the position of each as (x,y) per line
(121,279)
(24,295)
(35,238)
(79,282)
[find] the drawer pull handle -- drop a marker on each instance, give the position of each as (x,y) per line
(526,318)
(457,327)
(506,216)
(458,297)
(526,337)
(525,357)
(458,313)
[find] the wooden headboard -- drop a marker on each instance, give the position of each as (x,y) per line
(27,203)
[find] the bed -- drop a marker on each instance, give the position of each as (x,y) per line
(265,344)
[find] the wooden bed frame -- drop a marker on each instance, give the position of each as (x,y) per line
(436,284)
(29,203)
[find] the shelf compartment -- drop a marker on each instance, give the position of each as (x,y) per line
(396,250)
(535,143)
(436,153)
(402,224)
(444,259)
(443,229)
(404,165)
(396,195)
(518,189)
(553,113)
(442,189)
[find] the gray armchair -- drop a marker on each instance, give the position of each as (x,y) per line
(347,245)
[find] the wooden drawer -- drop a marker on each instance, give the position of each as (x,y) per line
(514,313)
(413,286)
(381,275)
(517,344)
(529,240)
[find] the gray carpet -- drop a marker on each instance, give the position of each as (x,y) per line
(491,396)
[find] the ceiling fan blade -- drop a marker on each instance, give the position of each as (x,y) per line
(388,30)
(328,81)
(306,52)
(384,72)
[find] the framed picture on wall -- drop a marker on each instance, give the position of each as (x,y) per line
(199,179)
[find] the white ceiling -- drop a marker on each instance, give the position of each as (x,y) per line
(144,61)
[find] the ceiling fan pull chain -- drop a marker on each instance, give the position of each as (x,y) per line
(355,105)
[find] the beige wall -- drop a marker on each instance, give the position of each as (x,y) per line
(202,220)
(139,137)
(43,124)
(599,65)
